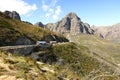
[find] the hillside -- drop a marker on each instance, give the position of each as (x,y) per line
(14,32)
(105,48)
(56,65)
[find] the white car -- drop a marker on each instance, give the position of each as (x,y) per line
(41,42)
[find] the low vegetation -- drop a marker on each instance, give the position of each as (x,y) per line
(73,61)
(80,61)
(106,49)
(20,67)
(60,62)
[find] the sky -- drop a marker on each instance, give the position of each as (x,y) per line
(94,12)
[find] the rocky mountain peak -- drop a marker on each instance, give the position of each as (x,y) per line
(72,15)
(70,24)
(13,14)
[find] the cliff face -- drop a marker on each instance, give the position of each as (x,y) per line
(70,24)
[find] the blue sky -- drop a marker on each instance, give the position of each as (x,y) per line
(94,12)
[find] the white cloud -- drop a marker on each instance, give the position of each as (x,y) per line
(20,6)
(51,10)
(53,3)
(44,6)
(49,13)
(57,12)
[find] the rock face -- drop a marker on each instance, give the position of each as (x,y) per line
(70,24)
(13,15)
(108,32)
(39,24)
(23,41)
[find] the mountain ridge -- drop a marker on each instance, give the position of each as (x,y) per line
(108,32)
(71,23)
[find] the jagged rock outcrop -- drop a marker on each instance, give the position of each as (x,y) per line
(108,32)
(70,24)
(39,24)
(13,15)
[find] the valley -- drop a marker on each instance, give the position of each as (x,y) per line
(79,52)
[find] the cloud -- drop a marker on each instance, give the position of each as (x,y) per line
(46,7)
(57,12)
(20,6)
(49,13)
(51,10)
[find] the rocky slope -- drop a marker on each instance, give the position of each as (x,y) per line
(108,32)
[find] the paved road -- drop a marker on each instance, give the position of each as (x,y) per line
(15,47)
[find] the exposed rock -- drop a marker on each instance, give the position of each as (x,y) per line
(13,15)
(23,41)
(108,32)
(70,24)
(39,24)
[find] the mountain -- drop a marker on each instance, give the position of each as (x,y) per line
(87,57)
(108,32)
(72,24)
(17,32)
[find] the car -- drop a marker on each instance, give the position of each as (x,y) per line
(41,42)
